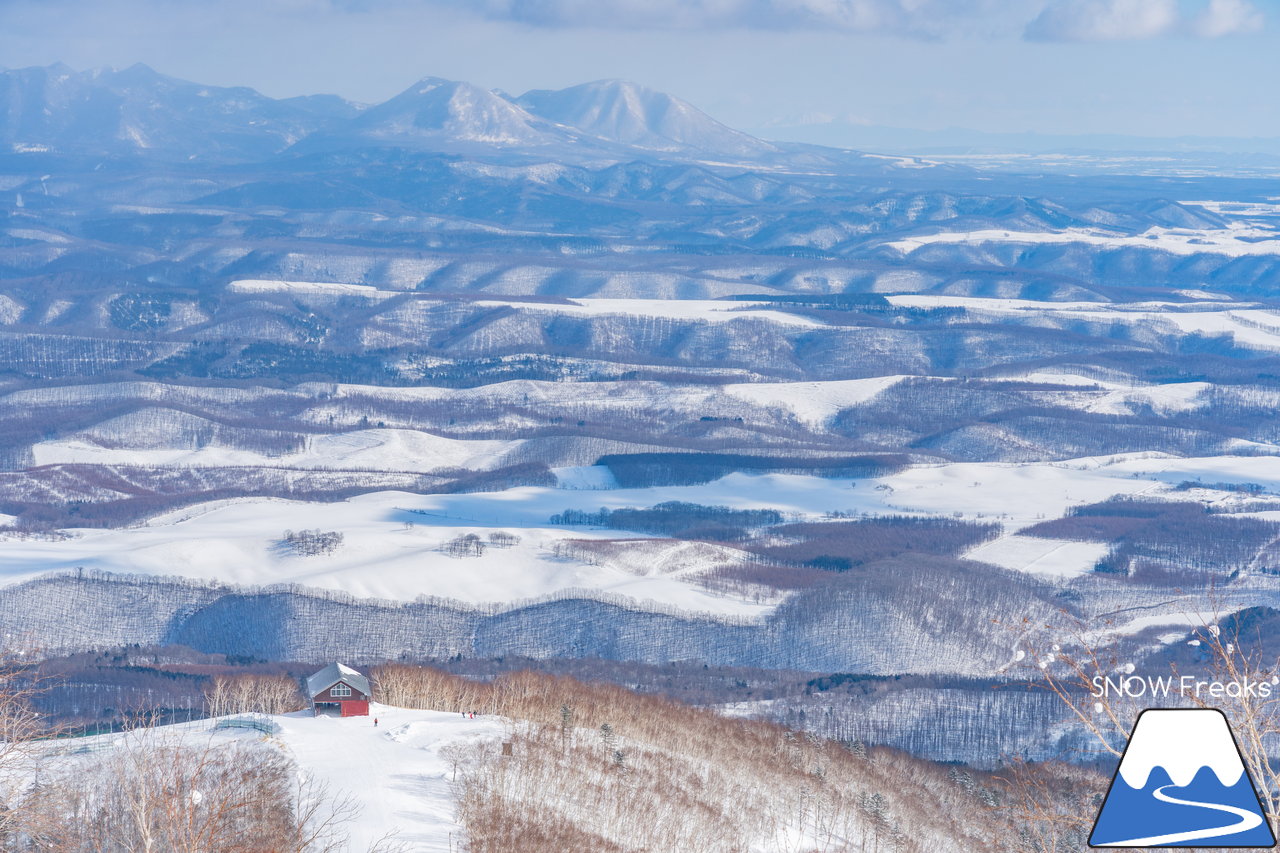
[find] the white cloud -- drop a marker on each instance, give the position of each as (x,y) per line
(1104,20)
(1100,20)
(1049,20)
(930,19)
(1226,18)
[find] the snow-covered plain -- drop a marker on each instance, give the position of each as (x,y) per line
(1053,557)
(393,540)
(814,402)
(332,288)
(393,549)
(369,449)
(705,310)
(1239,240)
(1254,327)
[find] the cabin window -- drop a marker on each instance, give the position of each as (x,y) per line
(340,690)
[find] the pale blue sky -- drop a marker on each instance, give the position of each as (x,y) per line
(1144,67)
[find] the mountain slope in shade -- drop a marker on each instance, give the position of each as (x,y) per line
(626,113)
(138,111)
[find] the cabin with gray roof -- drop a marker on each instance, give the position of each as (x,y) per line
(339,689)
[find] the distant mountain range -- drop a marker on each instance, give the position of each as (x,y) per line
(138,112)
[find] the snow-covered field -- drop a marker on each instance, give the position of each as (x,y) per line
(1249,326)
(369,449)
(814,402)
(393,540)
(706,310)
(1239,240)
(1053,557)
(332,288)
(393,548)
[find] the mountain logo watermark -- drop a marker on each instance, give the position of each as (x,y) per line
(1182,783)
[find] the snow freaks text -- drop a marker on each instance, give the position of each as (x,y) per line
(1160,687)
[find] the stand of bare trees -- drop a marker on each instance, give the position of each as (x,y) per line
(247,693)
(503,539)
(600,768)
(310,543)
(159,794)
(19,727)
(466,545)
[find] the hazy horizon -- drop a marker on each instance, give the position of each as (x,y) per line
(1153,68)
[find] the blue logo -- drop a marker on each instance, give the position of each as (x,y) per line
(1181,783)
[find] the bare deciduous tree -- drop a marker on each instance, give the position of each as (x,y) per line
(19,727)
(256,694)
(466,545)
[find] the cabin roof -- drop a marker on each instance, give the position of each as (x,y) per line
(331,675)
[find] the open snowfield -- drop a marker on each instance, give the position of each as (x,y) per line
(1051,557)
(814,402)
(1258,328)
(706,310)
(390,551)
(393,540)
(1173,397)
(330,288)
(369,449)
(394,773)
(1239,240)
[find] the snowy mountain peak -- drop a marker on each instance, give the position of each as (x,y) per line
(1181,742)
(434,107)
(620,111)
